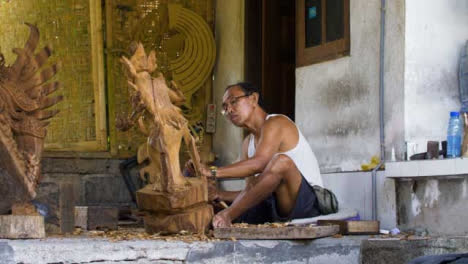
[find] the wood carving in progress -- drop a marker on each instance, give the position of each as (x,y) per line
(174,202)
(24,98)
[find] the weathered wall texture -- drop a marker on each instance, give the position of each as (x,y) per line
(229,69)
(95,181)
(394,83)
(434,37)
(435,206)
(337,104)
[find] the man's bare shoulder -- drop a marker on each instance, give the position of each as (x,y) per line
(279,121)
(283,130)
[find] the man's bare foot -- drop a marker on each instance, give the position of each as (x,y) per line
(222,219)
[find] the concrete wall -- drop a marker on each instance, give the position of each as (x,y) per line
(394,81)
(435,206)
(229,69)
(95,181)
(435,33)
(354,190)
(337,105)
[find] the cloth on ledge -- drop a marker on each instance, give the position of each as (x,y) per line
(342,214)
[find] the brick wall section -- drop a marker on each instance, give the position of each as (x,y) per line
(95,181)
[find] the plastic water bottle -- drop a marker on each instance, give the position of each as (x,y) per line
(454,135)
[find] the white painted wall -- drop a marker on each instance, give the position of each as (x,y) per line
(354,190)
(435,33)
(337,105)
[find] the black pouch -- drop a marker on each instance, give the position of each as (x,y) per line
(328,204)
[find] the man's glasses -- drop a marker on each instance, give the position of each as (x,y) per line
(232,102)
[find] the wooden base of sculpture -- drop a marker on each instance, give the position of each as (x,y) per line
(185,208)
(194,220)
(194,192)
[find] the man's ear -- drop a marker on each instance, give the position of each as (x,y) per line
(255,97)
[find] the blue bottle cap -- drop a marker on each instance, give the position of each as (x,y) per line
(454,114)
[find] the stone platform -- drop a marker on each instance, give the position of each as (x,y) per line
(348,249)
(91,250)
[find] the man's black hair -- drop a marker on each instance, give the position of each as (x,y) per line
(248,89)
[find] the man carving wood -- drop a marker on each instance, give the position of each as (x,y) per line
(277,162)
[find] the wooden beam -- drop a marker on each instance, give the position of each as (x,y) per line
(353,227)
(287,232)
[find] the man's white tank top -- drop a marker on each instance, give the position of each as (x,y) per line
(302,155)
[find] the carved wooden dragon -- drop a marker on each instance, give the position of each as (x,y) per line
(174,202)
(158,118)
(24,98)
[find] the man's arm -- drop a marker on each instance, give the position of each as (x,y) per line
(230,196)
(268,145)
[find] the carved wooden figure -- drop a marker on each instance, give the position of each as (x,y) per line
(24,98)
(169,195)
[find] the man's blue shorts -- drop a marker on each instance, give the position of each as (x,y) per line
(306,206)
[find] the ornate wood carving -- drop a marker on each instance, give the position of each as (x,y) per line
(169,194)
(24,98)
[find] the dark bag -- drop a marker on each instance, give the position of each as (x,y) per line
(328,204)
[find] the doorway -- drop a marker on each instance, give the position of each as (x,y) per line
(270,52)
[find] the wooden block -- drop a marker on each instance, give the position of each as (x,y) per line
(287,232)
(194,220)
(24,209)
(353,227)
(96,217)
(154,201)
(21,226)
(363,227)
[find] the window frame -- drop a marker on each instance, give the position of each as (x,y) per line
(326,50)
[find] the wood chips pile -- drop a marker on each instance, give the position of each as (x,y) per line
(122,234)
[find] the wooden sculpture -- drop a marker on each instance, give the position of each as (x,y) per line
(24,90)
(175,202)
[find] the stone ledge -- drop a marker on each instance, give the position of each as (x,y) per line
(427,168)
(89,250)
(402,251)
(348,249)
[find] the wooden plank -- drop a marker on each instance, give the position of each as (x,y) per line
(287,232)
(97,51)
(96,217)
(21,226)
(353,227)
(363,227)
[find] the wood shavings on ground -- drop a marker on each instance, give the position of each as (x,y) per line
(122,234)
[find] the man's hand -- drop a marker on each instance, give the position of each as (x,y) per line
(189,169)
(222,219)
(205,170)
